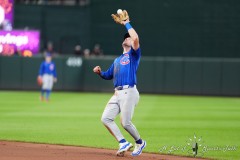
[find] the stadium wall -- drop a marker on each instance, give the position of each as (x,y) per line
(64,26)
(167,28)
(192,76)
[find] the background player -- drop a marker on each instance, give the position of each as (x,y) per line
(126,96)
(47,76)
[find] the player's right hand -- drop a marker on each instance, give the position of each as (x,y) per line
(97,70)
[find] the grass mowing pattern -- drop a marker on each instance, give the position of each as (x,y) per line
(74,119)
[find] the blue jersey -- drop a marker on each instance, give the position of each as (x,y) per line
(47,68)
(124,69)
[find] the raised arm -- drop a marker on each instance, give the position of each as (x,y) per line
(133,34)
(122,17)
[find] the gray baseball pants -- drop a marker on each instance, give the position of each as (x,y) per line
(123,102)
(47,82)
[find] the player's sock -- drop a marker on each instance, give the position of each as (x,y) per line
(42,95)
(122,141)
(48,94)
(42,92)
(139,141)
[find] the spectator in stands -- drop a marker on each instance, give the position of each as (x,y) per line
(86,52)
(18,52)
(50,49)
(83,2)
(78,50)
(97,51)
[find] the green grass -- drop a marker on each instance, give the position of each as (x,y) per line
(74,119)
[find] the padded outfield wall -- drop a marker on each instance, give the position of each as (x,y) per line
(198,76)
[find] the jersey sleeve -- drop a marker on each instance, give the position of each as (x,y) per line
(136,53)
(54,71)
(41,70)
(108,75)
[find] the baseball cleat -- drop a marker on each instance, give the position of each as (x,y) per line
(138,148)
(123,147)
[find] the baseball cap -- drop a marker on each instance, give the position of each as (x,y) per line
(126,35)
(48,55)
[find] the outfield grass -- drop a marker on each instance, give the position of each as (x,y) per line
(74,119)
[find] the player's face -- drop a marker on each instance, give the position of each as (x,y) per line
(127,42)
(48,59)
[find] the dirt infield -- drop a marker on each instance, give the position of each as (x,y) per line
(33,151)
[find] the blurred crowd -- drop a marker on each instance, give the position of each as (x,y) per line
(55,2)
(77,50)
(96,51)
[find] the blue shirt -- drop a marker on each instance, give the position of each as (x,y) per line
(124,69)
(47,68)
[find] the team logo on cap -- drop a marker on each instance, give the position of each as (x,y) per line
(125,59)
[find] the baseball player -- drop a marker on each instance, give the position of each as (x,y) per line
(123,72)
(47,76)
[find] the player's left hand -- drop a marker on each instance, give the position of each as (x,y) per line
(122,18)
(97,70)
(55,80)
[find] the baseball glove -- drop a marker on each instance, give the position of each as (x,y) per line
(39,81)
(119,18)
